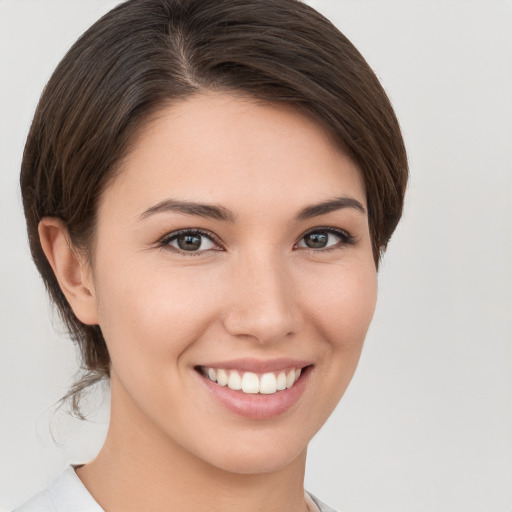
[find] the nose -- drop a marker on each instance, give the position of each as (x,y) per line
(261,301)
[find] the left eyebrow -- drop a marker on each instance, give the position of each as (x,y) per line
(224,214)
(328,206)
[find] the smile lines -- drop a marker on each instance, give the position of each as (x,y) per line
(252,383)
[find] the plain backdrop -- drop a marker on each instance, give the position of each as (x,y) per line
(426,424)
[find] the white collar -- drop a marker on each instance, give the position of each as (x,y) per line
(67,492)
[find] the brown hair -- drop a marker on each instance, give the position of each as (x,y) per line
(146,53)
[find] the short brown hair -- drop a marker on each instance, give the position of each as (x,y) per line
(146,53)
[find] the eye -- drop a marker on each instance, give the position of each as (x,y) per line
(326,238)
(190,241)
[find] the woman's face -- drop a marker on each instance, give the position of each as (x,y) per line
(234,243)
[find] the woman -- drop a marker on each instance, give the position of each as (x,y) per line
(208,188)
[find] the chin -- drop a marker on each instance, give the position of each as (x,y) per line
(257,463)
(268,456)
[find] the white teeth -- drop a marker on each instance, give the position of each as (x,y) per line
(281,381)
(290,378)
(222,377)
(266,384)
(250,383)
(235,381)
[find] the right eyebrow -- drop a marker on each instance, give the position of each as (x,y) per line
(191,208)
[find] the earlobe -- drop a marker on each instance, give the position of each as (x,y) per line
(70,268)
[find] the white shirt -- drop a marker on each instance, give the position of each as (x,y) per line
(67,493)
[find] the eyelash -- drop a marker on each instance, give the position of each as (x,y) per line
(345,239)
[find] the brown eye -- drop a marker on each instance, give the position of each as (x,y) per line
(316,240)
(189,241)
(326,238)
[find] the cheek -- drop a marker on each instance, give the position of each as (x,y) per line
(341,307)
(346,313)
(345,304)
(151,315)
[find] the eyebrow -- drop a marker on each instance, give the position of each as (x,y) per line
(191,208)
(221,213)
(328,206)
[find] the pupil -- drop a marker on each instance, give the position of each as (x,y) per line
(316,240)
(189,242)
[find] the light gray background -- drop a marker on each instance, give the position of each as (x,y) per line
(426,425)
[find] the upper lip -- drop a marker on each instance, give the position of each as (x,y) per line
(258,365)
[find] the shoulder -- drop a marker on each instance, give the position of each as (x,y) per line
(322,507)
(41,502)
(65,493)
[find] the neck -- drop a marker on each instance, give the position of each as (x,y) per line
(140,468)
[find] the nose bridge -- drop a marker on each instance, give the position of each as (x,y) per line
(261,301)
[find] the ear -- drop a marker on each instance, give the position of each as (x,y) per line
(70,268)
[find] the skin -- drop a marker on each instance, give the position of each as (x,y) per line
(260,293)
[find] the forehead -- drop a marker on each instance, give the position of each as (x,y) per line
(234,149)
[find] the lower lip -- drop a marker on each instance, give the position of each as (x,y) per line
(257,406)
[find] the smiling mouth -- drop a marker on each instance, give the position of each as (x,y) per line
(250,382)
